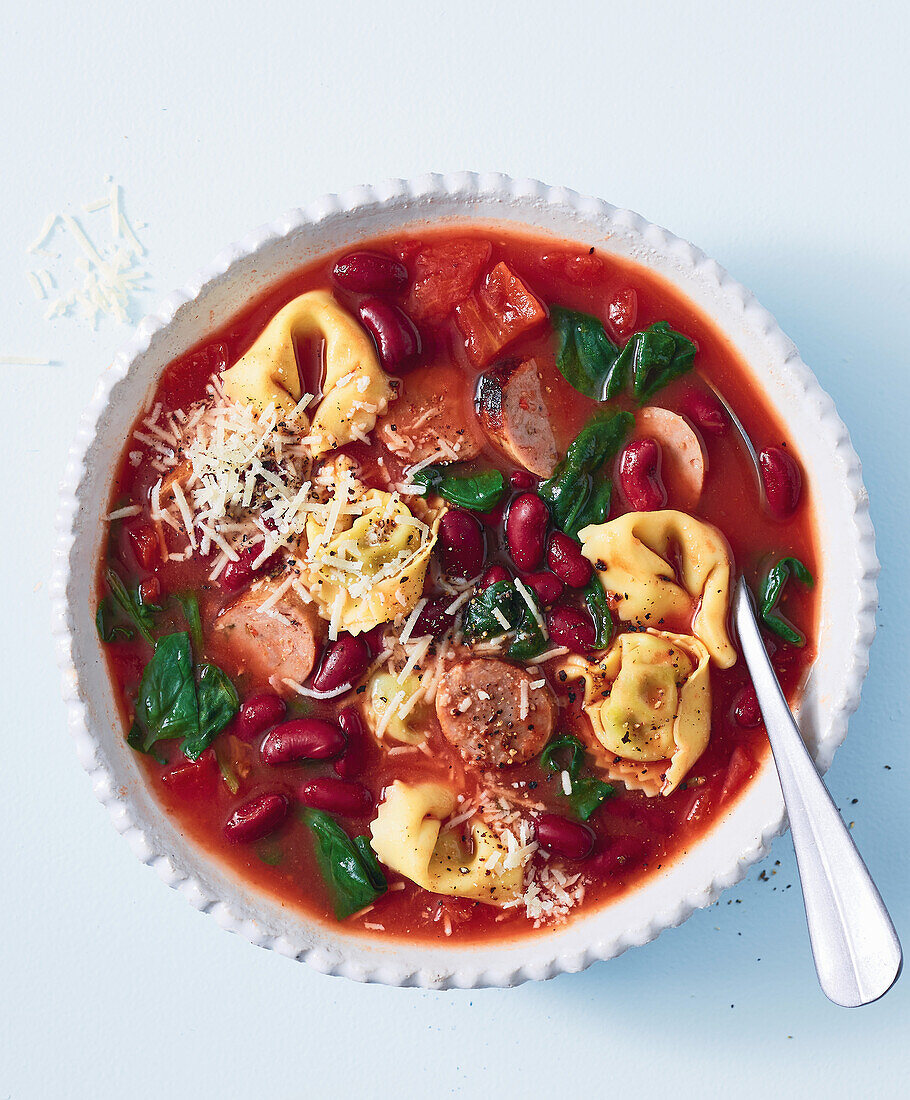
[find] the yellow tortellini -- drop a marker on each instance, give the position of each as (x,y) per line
(384,691)
(371,565)
(649,699)
(633,555)
(407,838)
(355,388)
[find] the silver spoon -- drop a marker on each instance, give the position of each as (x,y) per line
(750,447)
(856,950)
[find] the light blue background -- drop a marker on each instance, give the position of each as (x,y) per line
(773,135)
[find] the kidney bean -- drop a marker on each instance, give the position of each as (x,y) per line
(373,639)
(433,619)
(493,575)
(623,311)
(572,627)
(526,530)
(522,480)
(565,558)
(353,760)
(566,838)
(257,714)
(746,710)
(336,796)
(461,544)
(639,475)
(302,739)
(783,481)
(547,587)
(396,335)
(705,412)
(493,518)
(257,818)
(370,273)
(623,854)
(238,573)
(343,662)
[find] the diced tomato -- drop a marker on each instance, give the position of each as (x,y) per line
(444,275)
(580,269)
(150,590)
(145,544)
(185,380)
(739,770)
(194,777)
(498,313)
(623,313)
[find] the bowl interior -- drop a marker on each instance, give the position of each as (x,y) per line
(244,271)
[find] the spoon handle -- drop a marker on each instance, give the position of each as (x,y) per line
(856,950)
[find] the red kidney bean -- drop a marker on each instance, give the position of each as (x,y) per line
(343,662)
(353,760)
(746,710)
(493,518)
(569,626)
(567,838)
(258,713)
(522,480)
(461,544)
(433,619)
(565,558)
(705,412)
(623,311)
(302,739)
(783,481)
(396,335)
(373,639)
(639,475)
(370,273)
(493,575)
(257,818)
(526,530)
(546,586)
(336,796)
(238,573)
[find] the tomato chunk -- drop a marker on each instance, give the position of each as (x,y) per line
(444,275)
(496,314)
(144,541)
(194,777)
(739,769)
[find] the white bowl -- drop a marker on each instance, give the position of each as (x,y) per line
(738,839)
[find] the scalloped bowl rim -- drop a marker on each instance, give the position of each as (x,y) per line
(740,837)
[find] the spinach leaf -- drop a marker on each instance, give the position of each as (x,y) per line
(771,590)
(586,356)
(190,605)
(479,492)
(529,639)
(596,599)
(132,605)
(218,703)
(270,854)
(105,618)
(349,867)
(588,792)
(480,622)
(655,356)
(166,706)
(568,492)
(594,510)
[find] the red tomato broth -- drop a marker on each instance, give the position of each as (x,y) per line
(636,836)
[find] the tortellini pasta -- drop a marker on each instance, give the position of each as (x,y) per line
(355,388)
(384,691)
(633,555)
(370,567)
(407,838)
(649,699)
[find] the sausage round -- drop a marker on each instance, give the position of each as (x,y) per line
(478,704)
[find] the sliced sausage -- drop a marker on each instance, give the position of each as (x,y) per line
(683,458)
(479,704)
(511,409)
(279,643)
(433,412)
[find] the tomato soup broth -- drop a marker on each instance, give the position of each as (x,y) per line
(276,774)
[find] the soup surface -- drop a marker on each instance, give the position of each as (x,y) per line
(416,595)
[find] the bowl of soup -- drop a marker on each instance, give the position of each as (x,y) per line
(396,554)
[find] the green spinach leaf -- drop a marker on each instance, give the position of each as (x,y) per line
(585,356)
(655,356)
(166,706)
(105,621)
(190,605)
(218,703)
(594,510)
(771,591)
(596,599)
(479,492)
(529,640)
(588,792)
(132,605)
(480,622)
(349,867)
(576,752)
